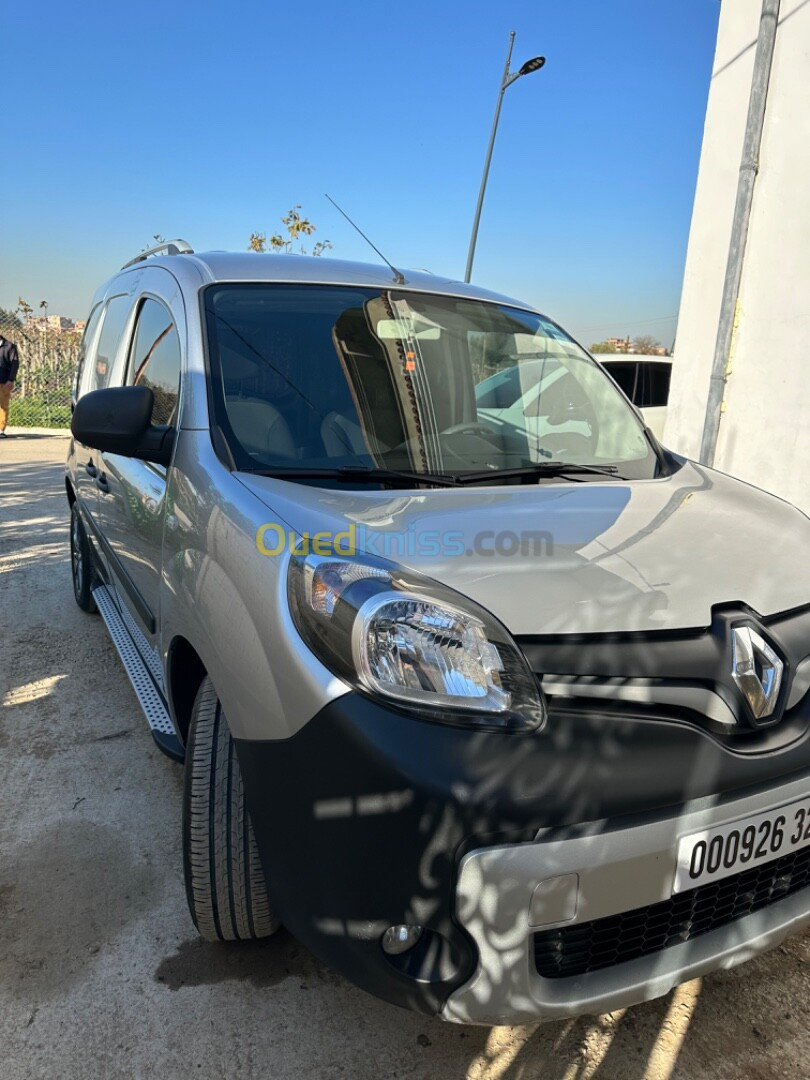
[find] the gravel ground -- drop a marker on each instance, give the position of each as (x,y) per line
(101,973)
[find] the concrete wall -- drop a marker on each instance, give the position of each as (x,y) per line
(765,427)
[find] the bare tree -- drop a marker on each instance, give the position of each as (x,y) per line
(648,344)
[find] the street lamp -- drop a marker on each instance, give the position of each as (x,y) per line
(508,78)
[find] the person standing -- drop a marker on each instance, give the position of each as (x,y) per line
(9,364)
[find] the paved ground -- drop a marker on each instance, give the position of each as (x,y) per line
(101,974)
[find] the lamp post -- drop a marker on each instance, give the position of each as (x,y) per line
(508,78)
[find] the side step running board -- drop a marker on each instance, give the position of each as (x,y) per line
(143,683)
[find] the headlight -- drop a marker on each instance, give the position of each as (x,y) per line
(397,635)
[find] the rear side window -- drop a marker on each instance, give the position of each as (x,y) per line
(155,359)
(97,373)
(645,383)
(626,375)
(656,384)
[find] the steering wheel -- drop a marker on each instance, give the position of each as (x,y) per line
(471,427)
(563,443)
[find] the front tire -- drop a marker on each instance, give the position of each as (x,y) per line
(81,563)
(225,884)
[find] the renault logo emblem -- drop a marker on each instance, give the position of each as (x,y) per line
(756,669)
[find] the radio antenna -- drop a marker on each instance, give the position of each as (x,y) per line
(398,277)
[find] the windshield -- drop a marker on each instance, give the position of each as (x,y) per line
(329,377)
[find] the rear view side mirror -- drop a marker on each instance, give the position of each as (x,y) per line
(118,420)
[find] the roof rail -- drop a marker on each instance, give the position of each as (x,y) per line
(167,247)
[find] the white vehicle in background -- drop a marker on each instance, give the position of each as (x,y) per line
(542,398)
(645,380)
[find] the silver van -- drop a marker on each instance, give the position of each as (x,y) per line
(505,716)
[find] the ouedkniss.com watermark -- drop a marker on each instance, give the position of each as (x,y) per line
(274,539)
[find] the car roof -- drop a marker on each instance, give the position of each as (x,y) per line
(200,268)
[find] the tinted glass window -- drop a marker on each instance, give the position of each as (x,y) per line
(87,338)
(155,359)
(645,382)
(115,316)
(656,384)
(626,375)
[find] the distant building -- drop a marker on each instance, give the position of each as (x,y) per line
(57,324)
(620,344)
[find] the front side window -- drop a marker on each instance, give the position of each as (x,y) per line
(316,376)
(155,359)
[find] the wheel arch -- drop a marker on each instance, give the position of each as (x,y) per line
(185,671)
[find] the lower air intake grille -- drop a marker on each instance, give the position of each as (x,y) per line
(584,947)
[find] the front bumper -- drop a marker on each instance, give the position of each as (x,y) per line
(368,818)
(506,894)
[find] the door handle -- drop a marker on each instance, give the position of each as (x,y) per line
(90,468)
(101,483)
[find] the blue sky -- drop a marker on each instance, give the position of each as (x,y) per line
(208,121)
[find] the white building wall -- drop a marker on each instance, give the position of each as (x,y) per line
(765,426)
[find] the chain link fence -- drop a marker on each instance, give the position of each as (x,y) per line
(48,359)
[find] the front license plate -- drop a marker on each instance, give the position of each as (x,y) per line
(730,849)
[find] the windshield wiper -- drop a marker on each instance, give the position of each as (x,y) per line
(354,473)
(540,469)
(361,473)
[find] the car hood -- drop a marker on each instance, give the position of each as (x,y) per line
(587,557)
